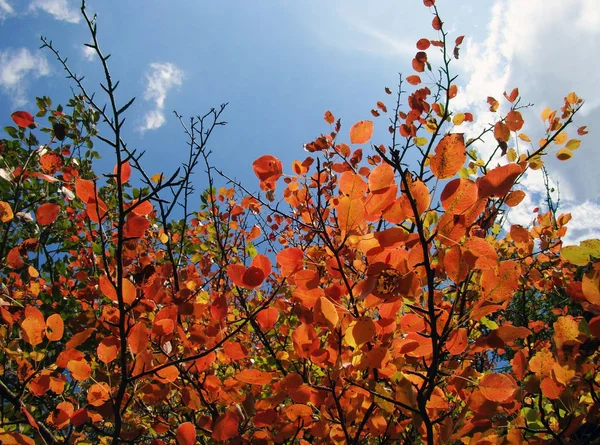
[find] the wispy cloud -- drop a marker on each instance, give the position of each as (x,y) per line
(60,9)
(5,9)
(16,68)
(161,78)
(539,46)
(88,53)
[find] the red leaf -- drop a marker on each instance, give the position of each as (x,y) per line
(125,171)
(436,23)
(514,120)
(423,44)
(429,3)
(236,274)
(23,119)
(361,132)
(47,213)
(186,434)
(268,169)
(143,209)
(253,277)
(226,426)
(136,226)
(513,95)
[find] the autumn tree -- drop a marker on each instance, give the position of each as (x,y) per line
(372,293)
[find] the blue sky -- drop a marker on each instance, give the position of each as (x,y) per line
(280,65)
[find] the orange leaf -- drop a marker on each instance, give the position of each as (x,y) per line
(226,426)
(498,181)
(268,170)
(457,341)
(23,119)
(6,213)
(263,263)
(168,374)
(329,118)
(235,350)
(79,338)
(96,210)
(361,132)
(590,286)
(352,185)
(514,198)
(186,434)
(551,389)
(360,332)
(47,213)
(290,260)
(423,44)
(436,23)
(459,195)
(501,132)
(267,318)
(497,387)
(514,120)
(254,377)
(450,156)
(33,330)
(236,274)
(138,337)
(326,313)
(80,370)
(14,259)
(85,190)
(125,171)
(142,209)
(414,79)
(108,349)
(55,327)
(381,178)
(297,410)
(51,162)
(98,394)
(351,214)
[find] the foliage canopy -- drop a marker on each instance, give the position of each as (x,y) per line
(379,298)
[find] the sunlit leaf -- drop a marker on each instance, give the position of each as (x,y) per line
(450,156)
(361,132)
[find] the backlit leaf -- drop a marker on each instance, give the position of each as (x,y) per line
(497,387)
(498,181)
(55,327)
(186,434)
(450,156)
(254,377)
(361,132)
(47,213)
(226,426)
(459,195)
(23,119)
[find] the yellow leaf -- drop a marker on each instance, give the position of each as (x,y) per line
(561,138)
(546,113)
(572,98)
(573,144)
(511,155)
(360,332)
(419,142)
(157,177)
(564,154)
(524,137)
(458,118)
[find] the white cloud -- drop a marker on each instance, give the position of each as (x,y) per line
(161,78)
(16,66)
(5,9)
(545,48)
(88,53)
(60,9)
